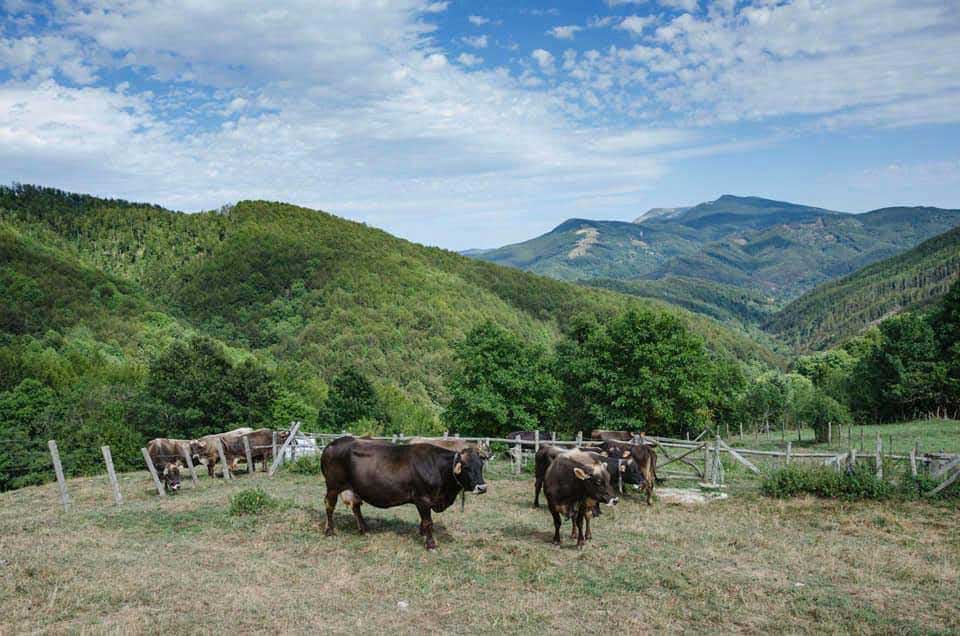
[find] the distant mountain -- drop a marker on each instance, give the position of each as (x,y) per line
(774,248)
(831,313)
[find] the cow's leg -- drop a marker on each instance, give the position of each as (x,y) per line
(210,466)
(573,525)
(557,522)
(581,513)
(355,504)
(426,526)
(331,501)
(537,486)
(588,513)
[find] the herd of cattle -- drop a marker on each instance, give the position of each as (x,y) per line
(432,473)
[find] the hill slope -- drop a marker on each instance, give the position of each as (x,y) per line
(839,309)
(776,248)
(307,291)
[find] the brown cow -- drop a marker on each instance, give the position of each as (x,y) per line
(261,444)
(206,448)
(166,455)
(455,444)
(575,482)
(646,459)
(388,475)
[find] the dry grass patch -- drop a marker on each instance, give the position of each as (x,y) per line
(746,564)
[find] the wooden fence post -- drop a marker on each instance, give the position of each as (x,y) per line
(579,439)
(223,460)
(536,440)
(517,456)
(112,474)
(246,451)
(58,469)
(446,434)
(829,432)
(189,459)
(153,473)
(913,462)
(879,456)
(789,452)
(273,446)
(277,458)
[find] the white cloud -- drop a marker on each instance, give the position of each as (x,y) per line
(478,20)
(635,24)
(617,3)
(469,59)
(544,60)
(689,6)
(476,41)
(564,32)
(436,7)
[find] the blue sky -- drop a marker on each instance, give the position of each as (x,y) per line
(475,124)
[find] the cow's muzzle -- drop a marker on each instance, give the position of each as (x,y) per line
(479,489)
(613,501)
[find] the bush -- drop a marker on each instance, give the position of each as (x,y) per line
(860,483)
(308,465)
(252,501)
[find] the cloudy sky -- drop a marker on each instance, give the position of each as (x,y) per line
(474,124)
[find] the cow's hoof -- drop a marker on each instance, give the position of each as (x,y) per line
(328,532)
(431,546)
(556,542)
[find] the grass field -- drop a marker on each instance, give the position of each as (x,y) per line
(746,564)
(933,435)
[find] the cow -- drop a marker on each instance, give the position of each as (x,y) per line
(574,484)
(602,436)
(206,448)
(388,475)
(261,444)
(622,466)
(527,438)
(457,444)
(646,459)
(166,455)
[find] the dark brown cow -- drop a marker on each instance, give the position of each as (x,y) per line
(206,448)
(261,444)
(602,436)
(388,475)
(575,482)
(455,444)
(646,459)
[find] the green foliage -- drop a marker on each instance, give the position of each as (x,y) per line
(501,384)
(352,398)
(795,480)
(819,411)
(252,501)
(307,465)
(640,371)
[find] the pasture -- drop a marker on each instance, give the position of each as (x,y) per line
(745,564)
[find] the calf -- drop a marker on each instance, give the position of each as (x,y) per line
(388,475)
(574,483)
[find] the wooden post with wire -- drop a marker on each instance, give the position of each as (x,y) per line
(112,474)
(153,473)
(223,460)
(246,451)
(278,458)
(188,457)
(58,469)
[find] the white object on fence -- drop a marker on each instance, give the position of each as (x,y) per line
(277,458)
(223,460)
(58,469)
(153,473)
(112,474)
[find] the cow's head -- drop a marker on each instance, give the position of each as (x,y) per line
(630,471)
(198,448)
(596,482)
(468,470)
(484,451)
(282,437)
(171,477)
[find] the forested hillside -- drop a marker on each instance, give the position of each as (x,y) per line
(833,312)
(772,249)
(123,321)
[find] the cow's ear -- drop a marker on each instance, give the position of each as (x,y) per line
(579,473)
(457,468)
(626,454)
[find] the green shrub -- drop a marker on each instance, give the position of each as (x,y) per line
(860,483)
(307,465)
(252,501)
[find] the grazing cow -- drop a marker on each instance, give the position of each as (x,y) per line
(170,475)
(261,445)
(455,444)
(206,448)
(166,455)
(574,484)
(602,436)
(646,459)
(388,475)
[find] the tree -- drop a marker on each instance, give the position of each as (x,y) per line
(351,399)
(818,410)
(945,322)
(22,425)
(500,384)
(641,371)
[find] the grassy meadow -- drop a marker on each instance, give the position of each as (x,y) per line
(746,564)
(932,435)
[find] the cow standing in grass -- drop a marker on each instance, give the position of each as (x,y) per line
(206,448)
(646,459)
(386,475)
(574,484)
(166,455)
